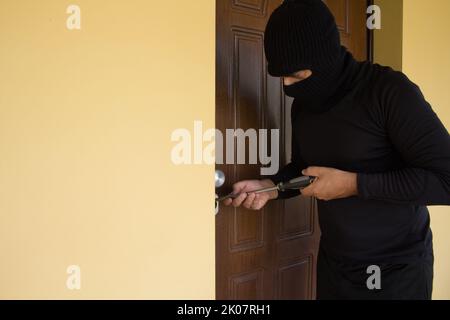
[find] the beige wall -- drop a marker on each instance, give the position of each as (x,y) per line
(426,60)
(85,172)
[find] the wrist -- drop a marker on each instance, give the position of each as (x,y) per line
(353,184)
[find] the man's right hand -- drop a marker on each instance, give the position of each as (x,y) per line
(252,201)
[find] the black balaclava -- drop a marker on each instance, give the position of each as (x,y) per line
(300,35)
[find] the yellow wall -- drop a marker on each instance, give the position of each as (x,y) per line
(388,39)
(426,60)
(85,173)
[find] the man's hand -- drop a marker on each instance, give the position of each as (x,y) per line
(252,201)
(330,183)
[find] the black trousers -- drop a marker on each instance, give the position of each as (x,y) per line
(397,281)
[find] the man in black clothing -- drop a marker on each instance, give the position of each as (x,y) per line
(379,152)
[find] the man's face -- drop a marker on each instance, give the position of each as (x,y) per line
(296,77)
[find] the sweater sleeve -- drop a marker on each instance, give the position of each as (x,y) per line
(424,145)
(292,169)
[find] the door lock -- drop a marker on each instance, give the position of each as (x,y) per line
(219,181)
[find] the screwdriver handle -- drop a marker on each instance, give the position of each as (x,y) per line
(297,183)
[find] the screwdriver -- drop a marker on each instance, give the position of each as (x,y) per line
(294,184)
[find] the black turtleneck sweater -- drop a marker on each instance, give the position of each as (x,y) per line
(381,127)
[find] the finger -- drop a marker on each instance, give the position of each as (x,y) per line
(258,203)
(249,200)
(308,191)
(238,201)
(227,202)
(239,186)
(312,171)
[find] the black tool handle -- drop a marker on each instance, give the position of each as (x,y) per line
(297,183)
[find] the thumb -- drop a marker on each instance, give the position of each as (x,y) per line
(239,186)
(312,171)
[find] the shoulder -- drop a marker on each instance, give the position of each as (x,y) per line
(387,82)
(394,91)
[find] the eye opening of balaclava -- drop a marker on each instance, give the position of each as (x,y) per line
(300,35)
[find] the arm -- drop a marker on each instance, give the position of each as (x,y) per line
(423,143)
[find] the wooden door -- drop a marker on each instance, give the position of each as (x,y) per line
(271,253)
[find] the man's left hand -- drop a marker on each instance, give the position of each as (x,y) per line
(330,183)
